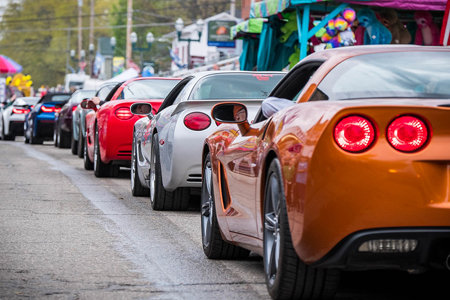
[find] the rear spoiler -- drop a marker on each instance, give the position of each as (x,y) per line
(202,103)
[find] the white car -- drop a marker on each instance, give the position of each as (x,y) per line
(12,117)
(167,148)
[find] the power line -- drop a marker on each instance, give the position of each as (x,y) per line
(59,18)
(87,28)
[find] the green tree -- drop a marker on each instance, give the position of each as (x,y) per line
(38,34)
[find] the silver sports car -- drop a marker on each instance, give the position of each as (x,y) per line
(167,147)
(12,117)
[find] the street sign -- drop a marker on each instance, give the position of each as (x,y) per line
(219,33)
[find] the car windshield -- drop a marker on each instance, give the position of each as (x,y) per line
(235,86)
(58,97)
(104,91)
(77,97)
(147,89)
(389,75)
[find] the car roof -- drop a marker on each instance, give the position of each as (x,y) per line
(343,53)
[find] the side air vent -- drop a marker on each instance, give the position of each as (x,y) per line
(124,153)
(195,178)
(224,192)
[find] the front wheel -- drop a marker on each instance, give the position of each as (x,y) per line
(160,198)
(214,246)
(81,143)
(137,189)
(88,164)
(287,277)
(100,168)
(73,145)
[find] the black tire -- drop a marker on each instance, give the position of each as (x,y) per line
(35,140)
(214,246)
(6,137)
(81,142)
(100,169)
(160,198)
(287,277)
(55,136)
(26,140)
(88,164)
(63,139)
(73,145)
(137,189)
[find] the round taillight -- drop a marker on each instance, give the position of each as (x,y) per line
(407,133)
(124,113)
(197,121)
(354,134)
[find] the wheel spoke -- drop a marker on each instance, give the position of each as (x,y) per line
(206,209)
(271,222)
(274,193)
(272,265)
(208,177)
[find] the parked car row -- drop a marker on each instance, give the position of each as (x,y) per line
(353,173)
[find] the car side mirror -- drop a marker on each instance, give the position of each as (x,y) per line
(88,104)
(231,112)
(142,109)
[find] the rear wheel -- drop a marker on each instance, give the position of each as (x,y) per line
(34,140)
(214,246)
(6,137)
(55,136)
(88,164)
(160,198)
(81,143)
(100,168)
(73,145)
(287,277)
(63,140)
(137,189)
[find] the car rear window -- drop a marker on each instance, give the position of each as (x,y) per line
(147,89)
(389,75)
(235,86)
(59,98)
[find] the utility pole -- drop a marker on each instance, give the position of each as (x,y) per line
(68,51)
(233,8)
(91,37)
(80,5)
(129,28)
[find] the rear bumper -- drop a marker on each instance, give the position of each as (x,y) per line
(16,127)
(44,129)
(432,250)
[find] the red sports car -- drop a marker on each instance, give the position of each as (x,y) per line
(109,127)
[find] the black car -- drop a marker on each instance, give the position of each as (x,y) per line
(62,133)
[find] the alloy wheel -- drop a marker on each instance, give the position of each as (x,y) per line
(272,212)
(133,165)
(152,176)
(207,205)
(95,151)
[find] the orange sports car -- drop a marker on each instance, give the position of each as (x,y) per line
(353,175)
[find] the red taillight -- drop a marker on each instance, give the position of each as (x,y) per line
(47,109)
(197,121)
(124,113)
(407,133)
(57,109)
(20,111)
(354,134)
(74,108)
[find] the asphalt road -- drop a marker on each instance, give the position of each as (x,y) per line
(65,234)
